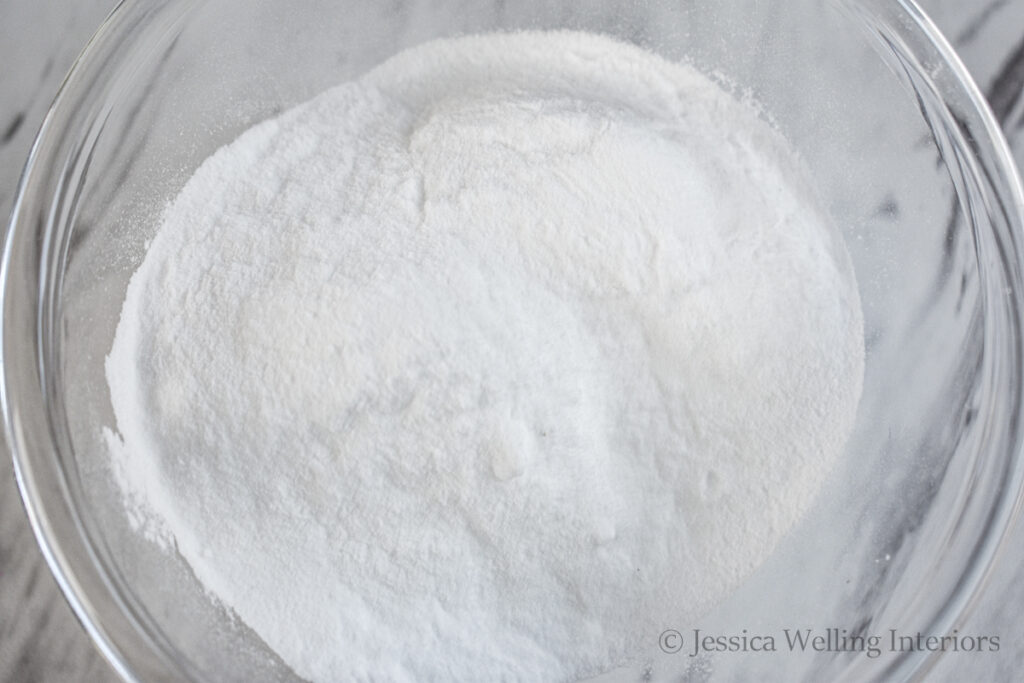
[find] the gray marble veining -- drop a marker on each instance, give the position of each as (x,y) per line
(40,639)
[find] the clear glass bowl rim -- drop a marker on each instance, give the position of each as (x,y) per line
(135,651)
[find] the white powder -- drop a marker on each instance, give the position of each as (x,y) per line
(489,365)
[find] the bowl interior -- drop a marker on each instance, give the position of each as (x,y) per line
(881,119)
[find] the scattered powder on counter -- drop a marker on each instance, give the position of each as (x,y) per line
(488,365)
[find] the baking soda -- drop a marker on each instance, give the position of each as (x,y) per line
(488,365)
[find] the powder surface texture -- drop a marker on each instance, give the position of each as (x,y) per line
(487,365)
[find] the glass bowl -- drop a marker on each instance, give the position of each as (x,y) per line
(908,160)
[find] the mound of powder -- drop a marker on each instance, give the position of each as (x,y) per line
(488,365)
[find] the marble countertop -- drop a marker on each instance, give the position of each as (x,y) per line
(40,639)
